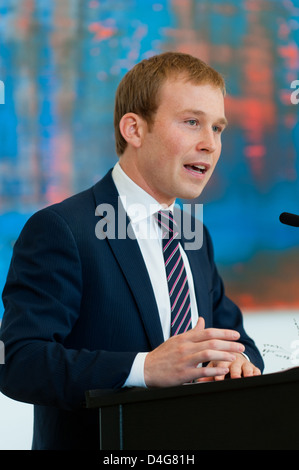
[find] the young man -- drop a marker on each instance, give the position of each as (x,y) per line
(88,308)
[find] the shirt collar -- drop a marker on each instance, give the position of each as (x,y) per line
(138,204)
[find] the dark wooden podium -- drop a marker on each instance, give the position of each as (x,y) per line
(255,413)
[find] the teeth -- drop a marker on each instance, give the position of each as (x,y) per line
(199,168)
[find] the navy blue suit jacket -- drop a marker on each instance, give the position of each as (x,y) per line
(78,309)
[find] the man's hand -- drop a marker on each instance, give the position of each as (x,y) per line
(240,367)
(177,360)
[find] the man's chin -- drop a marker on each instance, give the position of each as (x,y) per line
(190,195)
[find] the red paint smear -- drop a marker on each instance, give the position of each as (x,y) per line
(101,32)
(253,284)
(255,116)
(291,54)
(285,96)
(247,301)
(258,74)
(61,168)
(255,151)
(253,5)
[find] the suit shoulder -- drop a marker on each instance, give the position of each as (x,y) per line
(83,204)
(72,213)
(76,203)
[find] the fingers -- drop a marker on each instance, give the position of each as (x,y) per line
(200,333)
(176,360)
(241,367)
(200,325)
(212,344)
(215,351)
(211,373)
(224,365)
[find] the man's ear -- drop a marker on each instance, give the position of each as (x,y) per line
(132,128)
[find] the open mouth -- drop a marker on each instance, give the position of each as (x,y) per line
(201,169)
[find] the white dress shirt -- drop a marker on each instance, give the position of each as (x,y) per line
(141,207)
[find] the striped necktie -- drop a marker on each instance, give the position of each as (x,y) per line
(176,274)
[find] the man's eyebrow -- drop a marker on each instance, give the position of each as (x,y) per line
(198,112)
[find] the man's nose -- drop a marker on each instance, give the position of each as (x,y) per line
(206,141)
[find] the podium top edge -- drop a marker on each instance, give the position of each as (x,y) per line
(99,398)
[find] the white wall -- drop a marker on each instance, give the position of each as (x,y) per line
(275,334)
(16,421)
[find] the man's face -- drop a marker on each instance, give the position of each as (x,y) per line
(182,147)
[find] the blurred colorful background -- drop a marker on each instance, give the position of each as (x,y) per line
(61,61)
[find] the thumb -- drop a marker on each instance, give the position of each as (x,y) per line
(200,323)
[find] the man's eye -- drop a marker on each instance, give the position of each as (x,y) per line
(192,122)
(217,129)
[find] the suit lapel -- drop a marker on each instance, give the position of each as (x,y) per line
(129,257)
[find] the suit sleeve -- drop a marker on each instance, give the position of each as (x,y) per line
(226,314)
(42,299)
